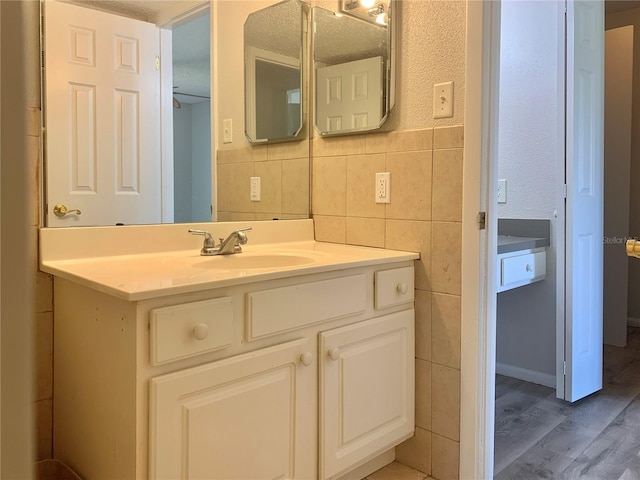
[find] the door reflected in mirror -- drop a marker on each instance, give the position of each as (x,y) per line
(353,67)
(274,46)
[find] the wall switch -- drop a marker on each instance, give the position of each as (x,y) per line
(255,189)
(443,100)
(227,131)
(383,187)
(502,191)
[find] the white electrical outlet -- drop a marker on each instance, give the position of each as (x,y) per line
(255,189)
(443,100)
(502,191)
(383,187)
(227,130)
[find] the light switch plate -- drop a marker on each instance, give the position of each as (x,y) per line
(227,131)
(502,191)
(255,189)
(443,100)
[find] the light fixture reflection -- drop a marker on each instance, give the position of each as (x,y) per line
(373,11)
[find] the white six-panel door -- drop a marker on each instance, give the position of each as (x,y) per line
(585,198)
(102,117)
(349,95)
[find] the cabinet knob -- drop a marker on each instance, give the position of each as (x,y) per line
(402,288)
(528,267)
(334,354)
(201,331)
(306,358)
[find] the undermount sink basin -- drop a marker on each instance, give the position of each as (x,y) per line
(254,261)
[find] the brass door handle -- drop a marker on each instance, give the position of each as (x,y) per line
(60,210)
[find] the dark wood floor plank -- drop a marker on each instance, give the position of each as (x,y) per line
(518,399)
(536,463)
(596,438)
(506,384)
(510,442)
(586,419)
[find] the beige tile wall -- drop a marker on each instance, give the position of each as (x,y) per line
(424,215)
(284,172)
(43,309)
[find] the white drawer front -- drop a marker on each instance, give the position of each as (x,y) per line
(394,287)
(182,331)
(522,268)
(281,309)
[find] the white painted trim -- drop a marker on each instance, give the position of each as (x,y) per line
(633,322)
(479,247)
(215,84)
(166,125)
(526,375)
(179,12)
(559,236)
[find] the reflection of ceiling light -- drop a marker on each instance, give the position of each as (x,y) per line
(374,11)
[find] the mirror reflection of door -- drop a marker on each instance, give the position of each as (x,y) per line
(349,95)
(192,172)
(102,118)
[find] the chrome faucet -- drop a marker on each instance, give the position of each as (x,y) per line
(227,246)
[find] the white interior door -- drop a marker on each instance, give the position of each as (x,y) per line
(585,198)
(103,141)
(349,95)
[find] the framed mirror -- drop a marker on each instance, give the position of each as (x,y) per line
(274,58)
(354,66)
(157,177)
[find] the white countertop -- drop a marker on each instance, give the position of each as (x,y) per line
(140,276)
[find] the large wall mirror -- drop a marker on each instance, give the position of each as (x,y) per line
(131,130)
(354,66)
(274,57)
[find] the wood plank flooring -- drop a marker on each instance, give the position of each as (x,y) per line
(538,436)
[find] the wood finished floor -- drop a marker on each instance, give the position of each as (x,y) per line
(540,437)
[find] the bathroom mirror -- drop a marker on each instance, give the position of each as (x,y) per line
(226,56)
(353,66)
(274,47)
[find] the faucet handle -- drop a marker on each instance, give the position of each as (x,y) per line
(209,243)
(242,238)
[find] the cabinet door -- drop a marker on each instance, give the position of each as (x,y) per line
(366,390)
(246,417)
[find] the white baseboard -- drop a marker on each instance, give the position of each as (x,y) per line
(526,375)
(633,322)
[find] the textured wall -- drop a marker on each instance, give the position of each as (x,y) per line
(430,47)
(529,152)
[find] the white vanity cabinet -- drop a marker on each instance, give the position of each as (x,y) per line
(366,390)
(303,377)
(245,417)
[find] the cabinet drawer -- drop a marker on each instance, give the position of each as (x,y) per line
(189,329)
(517,270)
(281,309)
(394,287)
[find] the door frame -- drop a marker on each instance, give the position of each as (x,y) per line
(478,336)
(479,268)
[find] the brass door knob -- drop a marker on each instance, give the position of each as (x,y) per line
(60,210)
